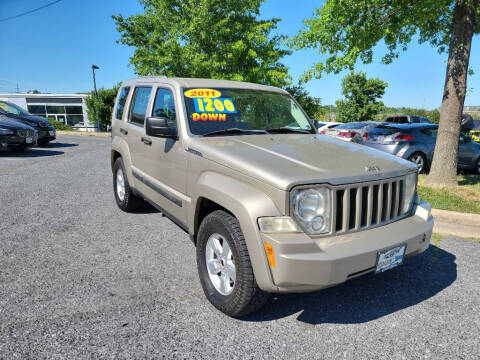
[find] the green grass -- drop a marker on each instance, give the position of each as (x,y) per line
(466,198)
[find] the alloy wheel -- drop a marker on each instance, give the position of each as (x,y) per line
(220,264)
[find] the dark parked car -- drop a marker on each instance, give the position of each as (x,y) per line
(15,135)
(407,119)
(46,132)
(416,142)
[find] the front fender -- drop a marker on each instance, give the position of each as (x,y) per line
(120,145)
(247,204)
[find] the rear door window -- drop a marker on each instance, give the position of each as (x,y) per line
(138,110)
(122,99)
(402,120)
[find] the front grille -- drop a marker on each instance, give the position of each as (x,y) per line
(367,205)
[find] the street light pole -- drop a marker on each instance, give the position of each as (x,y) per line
(95,67)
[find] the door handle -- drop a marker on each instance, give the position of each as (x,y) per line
(146,141)
(123,131)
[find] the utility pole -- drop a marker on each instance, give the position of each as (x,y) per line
(18,89)
(95,67)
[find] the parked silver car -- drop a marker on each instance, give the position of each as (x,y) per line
(352,131)
(416,142)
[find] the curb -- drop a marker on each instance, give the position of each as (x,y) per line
(456,224)
(83,133)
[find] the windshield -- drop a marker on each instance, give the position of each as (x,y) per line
(12,108)
(219,109)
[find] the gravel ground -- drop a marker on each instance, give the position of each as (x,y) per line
(79,279)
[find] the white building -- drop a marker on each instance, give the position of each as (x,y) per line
(65,108)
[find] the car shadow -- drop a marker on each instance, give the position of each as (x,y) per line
(31,153)
(470,180)
(57,145)
(369,297)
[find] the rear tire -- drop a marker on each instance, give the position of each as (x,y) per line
(228,282)
(124,196)
(420,160)
(477,167)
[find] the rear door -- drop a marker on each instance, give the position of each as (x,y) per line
(137,142)
(466,152)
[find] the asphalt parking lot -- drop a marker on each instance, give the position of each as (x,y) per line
(80,279)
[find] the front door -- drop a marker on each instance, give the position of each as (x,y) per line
(165,160)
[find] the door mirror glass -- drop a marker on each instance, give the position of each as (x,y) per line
(158,127)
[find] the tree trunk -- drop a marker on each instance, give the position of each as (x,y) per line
(443,172)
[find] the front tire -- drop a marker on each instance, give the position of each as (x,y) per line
(224,266)
(124,196)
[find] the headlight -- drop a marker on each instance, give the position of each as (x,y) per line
(311,209)
(409,192)
(6,131)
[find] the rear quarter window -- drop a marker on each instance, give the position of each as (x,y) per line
(122,99)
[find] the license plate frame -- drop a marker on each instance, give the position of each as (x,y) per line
(390,258)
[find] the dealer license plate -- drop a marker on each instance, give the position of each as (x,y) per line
(390,258)
(28,140)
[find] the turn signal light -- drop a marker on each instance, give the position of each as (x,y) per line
(270,255)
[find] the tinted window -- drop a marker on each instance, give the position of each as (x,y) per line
(424,120)
(73,110)
(121,102)
(56,109)
(37,109)
(164,106)
(402,120)
(353,126)
(390,119)
(141,96)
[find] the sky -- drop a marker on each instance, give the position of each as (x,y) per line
(52,50)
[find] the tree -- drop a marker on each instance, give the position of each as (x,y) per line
(219,39)
(100,106)
(311,105)
(361,98)
(347,30)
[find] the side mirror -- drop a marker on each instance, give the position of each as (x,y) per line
(158,127)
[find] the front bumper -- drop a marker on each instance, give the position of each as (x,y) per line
(15,142)
(307,264)
(47,135)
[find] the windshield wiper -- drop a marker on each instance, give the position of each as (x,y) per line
(286,130)
(235,131)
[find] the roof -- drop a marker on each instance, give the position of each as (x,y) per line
(410,126)
(202,83)
(24,95)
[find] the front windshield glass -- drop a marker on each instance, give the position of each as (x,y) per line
(220,109)
(12,108)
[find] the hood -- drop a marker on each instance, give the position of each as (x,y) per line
(293,159)
(31,120)
(13,125)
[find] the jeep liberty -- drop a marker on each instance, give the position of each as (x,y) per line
(270,205)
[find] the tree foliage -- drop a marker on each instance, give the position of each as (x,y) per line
(312,105)
(361,98)
(347,30)
(220,39)
(100,106)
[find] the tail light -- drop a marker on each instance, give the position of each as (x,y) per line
(404,137)
(347,134)
(322,132)
(365,136)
